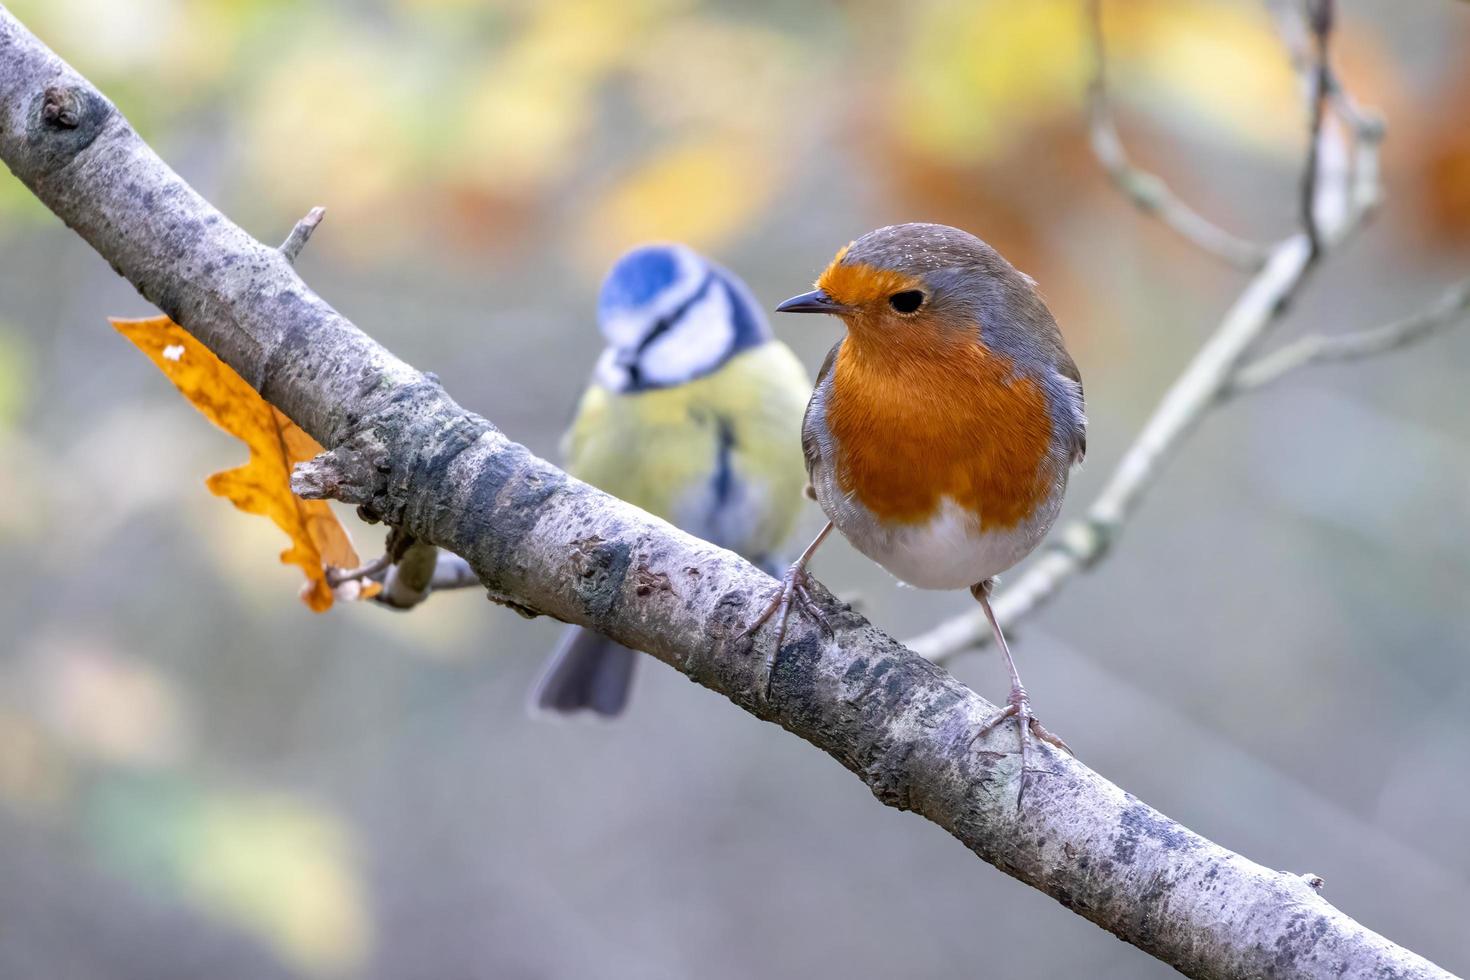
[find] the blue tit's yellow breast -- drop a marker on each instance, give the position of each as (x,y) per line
(719,456)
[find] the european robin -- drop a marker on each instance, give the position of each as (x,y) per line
(692,413)
(943,425)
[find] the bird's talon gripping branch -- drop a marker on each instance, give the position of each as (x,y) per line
(1018,706)
(341,576)
(1041,732)
(793,591)
(809,606)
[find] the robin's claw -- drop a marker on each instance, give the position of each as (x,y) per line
(1040,731)
(793,592)
(1018,706)
(809,606)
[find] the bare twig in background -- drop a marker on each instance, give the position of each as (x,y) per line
(453,572)
(1335,201)
(1318,75)
(301,234)
(1298,26)
(1451,309)
(1148,191)
(371,570)
(404,450)
(408,580)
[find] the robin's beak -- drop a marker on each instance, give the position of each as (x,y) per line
(815,301)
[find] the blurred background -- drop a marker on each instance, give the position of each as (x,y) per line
(200,777)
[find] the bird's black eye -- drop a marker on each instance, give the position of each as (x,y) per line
(907,301)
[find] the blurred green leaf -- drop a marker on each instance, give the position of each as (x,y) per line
(272,865)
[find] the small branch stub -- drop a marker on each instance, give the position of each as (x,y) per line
(61,108)
(302,233)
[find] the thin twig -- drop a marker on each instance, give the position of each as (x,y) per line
(410,577)
(1317,110)
(1148,192)
(1451,308)
(1298,26)
(341,576)
(301,234)
(453,572)
(1319,19)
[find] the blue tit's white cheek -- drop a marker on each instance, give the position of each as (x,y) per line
(625,329)
(611,373)
(697,344)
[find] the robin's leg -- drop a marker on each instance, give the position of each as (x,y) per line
(793,591)
(1018,705)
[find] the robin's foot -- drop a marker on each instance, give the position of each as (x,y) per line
(1018,706)
(793,592)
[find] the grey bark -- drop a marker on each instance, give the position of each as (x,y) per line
(542,542)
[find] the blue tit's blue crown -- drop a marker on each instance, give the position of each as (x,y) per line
(638,278)
(669,316)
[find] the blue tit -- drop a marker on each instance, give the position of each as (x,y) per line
(693,414)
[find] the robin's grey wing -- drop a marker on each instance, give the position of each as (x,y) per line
(1019,326)
(1067,368)
(814,433)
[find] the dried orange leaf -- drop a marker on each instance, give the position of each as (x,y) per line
(263,485)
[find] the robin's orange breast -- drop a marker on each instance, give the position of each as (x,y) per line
(917,418)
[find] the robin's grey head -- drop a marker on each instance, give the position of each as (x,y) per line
(923,276)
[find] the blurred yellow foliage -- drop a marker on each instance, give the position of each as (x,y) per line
(332,119)
(277,867)
(478,122)
(706,72)
(699,192)
(15,373)
(186,48)
(106,705)
(35,774)
(529,107)
(975,79)
(283,870)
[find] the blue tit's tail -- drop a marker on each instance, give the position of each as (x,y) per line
(588,672)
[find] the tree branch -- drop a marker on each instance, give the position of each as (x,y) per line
(1149,192)
(542,541)
(1452,308)
(1319,19)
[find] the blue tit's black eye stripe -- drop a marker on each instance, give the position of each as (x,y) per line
(666,322)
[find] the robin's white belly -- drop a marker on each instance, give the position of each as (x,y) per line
(950,551)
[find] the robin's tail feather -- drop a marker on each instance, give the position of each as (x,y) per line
(588,672)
